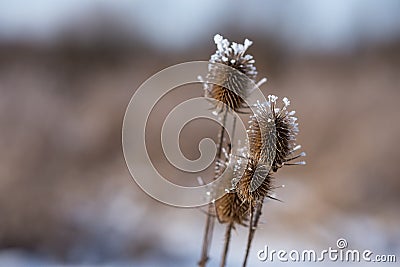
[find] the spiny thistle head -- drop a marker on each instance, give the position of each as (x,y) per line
(286,128)
(272,142)
(261,134)
(255,184)
(228,87)
(233,55)
(231,209)
(272,134)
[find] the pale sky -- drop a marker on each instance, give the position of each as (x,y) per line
(176,24)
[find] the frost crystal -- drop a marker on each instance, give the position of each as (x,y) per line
(286,101)
(233,55)
(226,84)
(272,98)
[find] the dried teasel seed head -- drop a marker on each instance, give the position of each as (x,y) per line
(233,55)
(272,134)
(255,184)
(225,84)
(286,128)
(262,134)
(231,209)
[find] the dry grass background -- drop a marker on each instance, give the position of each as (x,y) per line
(66,194)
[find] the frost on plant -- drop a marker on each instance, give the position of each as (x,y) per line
(233,89)
(270,143)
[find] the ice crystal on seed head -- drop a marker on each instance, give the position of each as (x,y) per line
(261,134)
(286,128)
(232,82)
(233,55)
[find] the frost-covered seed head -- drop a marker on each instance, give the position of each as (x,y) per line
(224,84)
(286,128)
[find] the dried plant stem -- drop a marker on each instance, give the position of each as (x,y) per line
(233,135)
(230,225)
(254,218)
(249,238)
(209,229)
(227,241)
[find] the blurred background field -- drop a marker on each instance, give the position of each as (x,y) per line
(68,70)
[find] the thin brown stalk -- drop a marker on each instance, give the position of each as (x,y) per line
(210,221)
(254,218)
(249,237)
(230,225)
(226,246)
(233,135)
(209,229)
